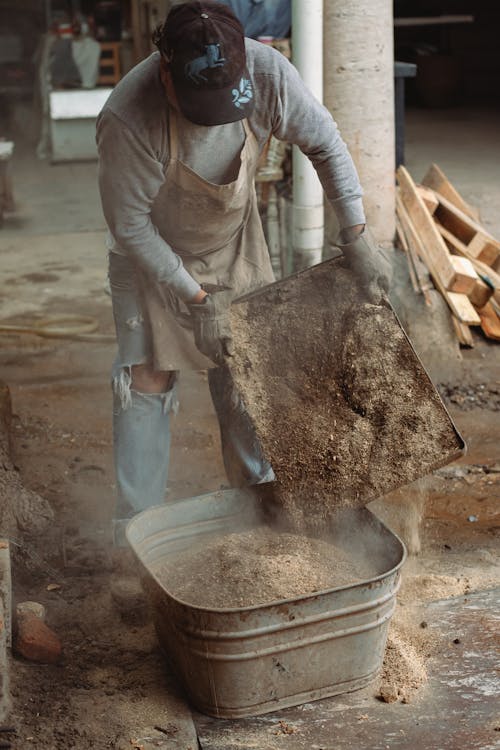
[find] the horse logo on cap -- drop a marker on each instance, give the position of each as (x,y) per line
(211,59)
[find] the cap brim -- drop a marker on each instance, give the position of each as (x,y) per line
(216,106)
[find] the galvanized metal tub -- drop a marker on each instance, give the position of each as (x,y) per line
(254,660)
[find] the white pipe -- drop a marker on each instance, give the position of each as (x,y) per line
(308,211)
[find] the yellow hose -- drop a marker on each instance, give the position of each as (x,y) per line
(74,327)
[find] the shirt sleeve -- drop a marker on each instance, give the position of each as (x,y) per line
(130,178)
(299,118)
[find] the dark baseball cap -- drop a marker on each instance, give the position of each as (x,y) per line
(204,45)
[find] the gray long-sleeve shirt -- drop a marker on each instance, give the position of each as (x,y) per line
(132,140)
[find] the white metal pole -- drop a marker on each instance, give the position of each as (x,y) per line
(308,211)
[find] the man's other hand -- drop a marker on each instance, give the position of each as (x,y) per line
(211,323)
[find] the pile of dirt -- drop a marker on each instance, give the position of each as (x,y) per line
(429,587)
(409,648)
(343,408)
(259,566)
(21,510)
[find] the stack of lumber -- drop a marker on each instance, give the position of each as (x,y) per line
(447,248)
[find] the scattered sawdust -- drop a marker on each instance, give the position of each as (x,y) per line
(260,566)
(409,648)
(427,587)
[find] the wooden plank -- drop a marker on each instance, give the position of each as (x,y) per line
(463,332)
(422,275)
(480,243)
(404,245)
(481,293)
(437,180)
(490,322)
(485,249)
(466,276)
(486,272)
(495,305)
(459,304)
(429,198)
(400,234)
(435,253)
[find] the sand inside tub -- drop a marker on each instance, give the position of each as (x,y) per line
(259,566)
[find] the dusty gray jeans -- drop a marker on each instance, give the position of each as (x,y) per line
(141,421)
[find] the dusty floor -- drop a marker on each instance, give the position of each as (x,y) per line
(112,689)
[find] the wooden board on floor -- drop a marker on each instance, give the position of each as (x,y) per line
(490,322)
(437,180)
(462,307)
(435,254)
(463,332)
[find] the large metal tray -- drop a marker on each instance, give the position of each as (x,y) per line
(340,401)
(254,660)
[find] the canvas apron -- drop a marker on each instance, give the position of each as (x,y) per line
(217,231)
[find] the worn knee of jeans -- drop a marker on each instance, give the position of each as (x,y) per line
(122,389)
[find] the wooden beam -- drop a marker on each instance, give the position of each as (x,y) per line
(459,304)
(435,254)
(466,276)
(411,268)
(495,305)
(485,248)
(481,293)
(487,273)
(414,262)
(437,180)
(479,242)
(400,233)
(429,198)
(463,332)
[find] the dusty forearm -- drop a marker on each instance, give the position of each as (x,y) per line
(300,119)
